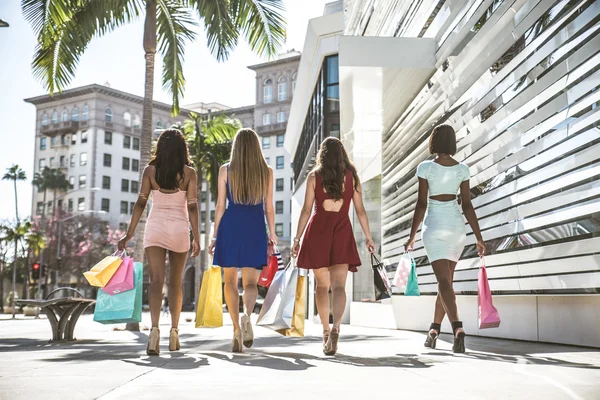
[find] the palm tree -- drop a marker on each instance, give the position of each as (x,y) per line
(35,243)
(59,183)
(16,235)
(4,244)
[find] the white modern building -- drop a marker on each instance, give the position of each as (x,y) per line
(518,80)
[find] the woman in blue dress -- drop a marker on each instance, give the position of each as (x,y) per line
(245,197)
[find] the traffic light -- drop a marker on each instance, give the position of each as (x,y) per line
(35,271)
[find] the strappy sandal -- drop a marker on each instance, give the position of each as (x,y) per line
(432,335)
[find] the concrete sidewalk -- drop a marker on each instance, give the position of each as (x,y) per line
(371,363)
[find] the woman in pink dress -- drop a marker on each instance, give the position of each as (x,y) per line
(172,182)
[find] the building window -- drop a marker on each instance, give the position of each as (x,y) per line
(82,182)
(279,185)
(39,209)
(124,185)
(73,139)
(280,140)
(108,115)
(127,119)
(107,137)
(72,160)
(106,182)
(71,182)
(268,92)
(282,89)
(266,119)
(203,196)
(281,116)
(126,163)
(279,207)
(136,121)
(294,79)
(126,142)
(85,113)
(53,141)
(70,205)
(212,215)
(83,136)
(136,143)
(42,164)
(43,143)
(134,186)
(55,117)
(131,207)
(83,159)
(124,206)
(51,162)
(268,160)
(75,114)
(64,117)
(81,204)
(266,142)
(159,124)
(279,230)
(135,165)
(107,160)
(105,205)
(44,119)
(280,162)
(62,162)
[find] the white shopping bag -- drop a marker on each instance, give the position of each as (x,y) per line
(278,308)
(403,270)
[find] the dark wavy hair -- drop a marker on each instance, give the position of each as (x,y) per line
(332,163)
(169,159)
(442,140)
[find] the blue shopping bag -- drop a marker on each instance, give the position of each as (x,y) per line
(412,286)
(123,307)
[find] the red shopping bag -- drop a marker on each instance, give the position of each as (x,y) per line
(488,315)
(274,262)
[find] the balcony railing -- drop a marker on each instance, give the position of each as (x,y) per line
(279,126)
(60,128)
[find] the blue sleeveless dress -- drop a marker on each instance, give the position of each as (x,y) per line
(242,236)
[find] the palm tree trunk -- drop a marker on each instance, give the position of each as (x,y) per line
(42,251)
(16,201)
(146,139)
(14,282)
(199,265)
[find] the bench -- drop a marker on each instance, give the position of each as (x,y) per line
(62,312)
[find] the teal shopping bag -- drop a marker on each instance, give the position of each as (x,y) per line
(412,285)
(122,307)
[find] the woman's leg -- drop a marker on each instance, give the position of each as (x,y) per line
(176,266)
(156,262)
(232,297)
(249,281)
(322,296)
(338,274)
(441,268)
(439,312)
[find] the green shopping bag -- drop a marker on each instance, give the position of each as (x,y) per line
(412,285)
(122,307)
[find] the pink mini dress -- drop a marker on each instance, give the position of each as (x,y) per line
(168,224)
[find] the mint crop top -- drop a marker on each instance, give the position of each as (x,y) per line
(442,179)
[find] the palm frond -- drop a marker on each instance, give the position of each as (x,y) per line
(262,24)
(221,32)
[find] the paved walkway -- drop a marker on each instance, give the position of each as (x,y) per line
(372,364)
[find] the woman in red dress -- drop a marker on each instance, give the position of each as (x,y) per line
(329,247)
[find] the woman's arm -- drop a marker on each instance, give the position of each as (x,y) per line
(363,219)
(138,209)
(270,210)
(469,211)
(419,214)
(192,204)
(221,205)
(305,213)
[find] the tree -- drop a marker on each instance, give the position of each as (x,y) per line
(35,243)
(15,235)
(4,247)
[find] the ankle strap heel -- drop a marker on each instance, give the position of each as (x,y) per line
(431,339)
(459,338)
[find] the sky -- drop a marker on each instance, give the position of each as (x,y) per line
(117,58)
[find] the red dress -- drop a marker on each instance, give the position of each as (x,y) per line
(329,239)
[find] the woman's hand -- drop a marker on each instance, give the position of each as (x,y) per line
(211,247)
(295,249)
(371,246)
(409,244)
(273,239)
(123,242)
(481,247)
(195,248)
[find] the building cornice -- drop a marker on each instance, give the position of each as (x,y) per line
(275,62)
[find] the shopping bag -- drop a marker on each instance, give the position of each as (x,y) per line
(209,313)
(274,263)
(297,328)
(488,315)
(403,271)
(122,280)
(101,273)
(412,285)
(278,308)
(122,307)
(383,288)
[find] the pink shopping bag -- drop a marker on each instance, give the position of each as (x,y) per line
(488,315)
(122,280)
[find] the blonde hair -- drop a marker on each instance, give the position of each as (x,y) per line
(248,173)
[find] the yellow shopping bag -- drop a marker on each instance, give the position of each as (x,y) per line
(101,273)
(209,313)
(297,329)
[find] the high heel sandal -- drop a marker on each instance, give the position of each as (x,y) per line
(326,335)
(432,335)
(332,343)
(247,332)
(174,340)
(459,338)
(236,346)
(153,342)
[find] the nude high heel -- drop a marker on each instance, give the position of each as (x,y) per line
(174,340)
(247,332)
(153,342)
(332,344)
(236,346)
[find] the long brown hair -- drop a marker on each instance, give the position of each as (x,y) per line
(332,163)
(169,159)
(248,173)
